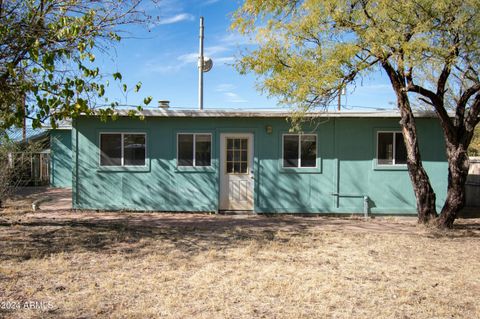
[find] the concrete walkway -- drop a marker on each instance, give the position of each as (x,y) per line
(57,199)
(46,198)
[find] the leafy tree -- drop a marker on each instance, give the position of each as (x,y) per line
(310,50)
(47,57)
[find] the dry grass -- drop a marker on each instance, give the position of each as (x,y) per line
(122,265)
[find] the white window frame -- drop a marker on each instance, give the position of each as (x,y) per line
(194,164)
(299,151)
(394,148)
(122,148)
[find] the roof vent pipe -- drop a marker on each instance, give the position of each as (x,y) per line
(163,104)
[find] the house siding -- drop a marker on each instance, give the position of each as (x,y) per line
(61,158)
(346,150)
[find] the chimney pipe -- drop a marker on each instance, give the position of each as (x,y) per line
(163,104)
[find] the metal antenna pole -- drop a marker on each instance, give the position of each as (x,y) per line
(339,103)
(200,68)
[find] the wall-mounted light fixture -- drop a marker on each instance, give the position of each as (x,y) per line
(269,129)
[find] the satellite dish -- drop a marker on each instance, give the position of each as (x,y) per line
(207,64)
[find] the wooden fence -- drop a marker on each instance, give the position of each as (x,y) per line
(472,187)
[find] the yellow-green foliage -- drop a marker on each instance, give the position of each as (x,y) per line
(47,57)
(309,50)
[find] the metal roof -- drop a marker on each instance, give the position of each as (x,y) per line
(65,124)
(16,134)
(270,113)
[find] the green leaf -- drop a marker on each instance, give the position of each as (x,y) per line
(81,47)
(138,86)
(117,76)
(147,100)
(101,90)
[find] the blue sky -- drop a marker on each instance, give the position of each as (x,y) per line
(164,58)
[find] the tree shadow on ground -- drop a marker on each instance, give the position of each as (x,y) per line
(24,237)
(38,238)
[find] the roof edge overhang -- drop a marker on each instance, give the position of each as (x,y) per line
(267,114)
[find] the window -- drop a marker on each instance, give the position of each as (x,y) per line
(194,149)
(299,150)
(237,156)
(391,149)
(122,149)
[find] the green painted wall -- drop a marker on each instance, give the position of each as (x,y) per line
(61,158)
(346,148)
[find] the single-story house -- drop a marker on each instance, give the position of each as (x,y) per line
(209,160)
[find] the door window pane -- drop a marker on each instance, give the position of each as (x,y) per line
(309,151)
(243,167)
(134,149)
(290,150)
(185,150)
(203,150)
(110,149)
(237,156)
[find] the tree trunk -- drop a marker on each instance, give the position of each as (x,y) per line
(458,164)
(424,193)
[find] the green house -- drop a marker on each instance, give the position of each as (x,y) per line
(230,160)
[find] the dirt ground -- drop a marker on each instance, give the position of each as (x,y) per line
(64,264)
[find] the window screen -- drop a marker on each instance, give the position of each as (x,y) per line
(194,149)
(203,150)
(299,150)
(111,149)
(308,151)
(385,148)
(134,149)
(122,149)
(391,149)
(185,150)
(400,149)
(290,151)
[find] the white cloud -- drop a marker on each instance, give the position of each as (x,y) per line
(176,18)
(161,68)
(188,58)
(213,50)
(224,60)
(224,87)
(221,53)
(210,52)
(227,90)
(234,98)
(209,2)
(234,39)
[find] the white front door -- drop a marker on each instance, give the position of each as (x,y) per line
(236,171)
